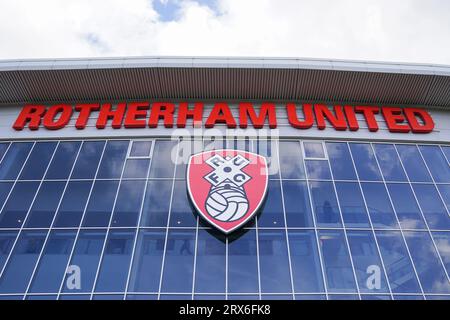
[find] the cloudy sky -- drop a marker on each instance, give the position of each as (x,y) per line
(383,30)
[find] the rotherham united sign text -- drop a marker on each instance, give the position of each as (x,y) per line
(150,115)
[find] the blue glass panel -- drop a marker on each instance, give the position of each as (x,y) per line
(14,159)
(340,161)
(5,188)
(20,267)
(365,162)
(343,297)
(115,264)
(101,203)
(74,297)
(41,297)
(368,267)
(73,204)
(276,297)
(314,150)
(297,205)
(156,204)
(272,210)
(325,205)
(162,163)
(389,162)
(318,169)
(307,297)
(186,148)
(113,160)
(432,207)
(175,297)
(3,148)
(86,256)
(352,205)
(140,149)
(291,162)
(442,240)
(209,297)
(242,262)
(12,297)
(379,205)
(274,262)
(429,268)
(408,297)
(128,204)
(18,204)
(336,260)
(7,239)
(413,163)
(141,297)
(108,297)
(88,160)
(53,262)
(436,162)
(446,150)
(38,161)
(146,270)
(398,266)
(210,262)
(179,261)
(375,297)
(182,214)
(243,297)
(437,297)
(269,150)
(136,168)
(406,206)
(63,160)
(444,189)
(306,269)
(45,205)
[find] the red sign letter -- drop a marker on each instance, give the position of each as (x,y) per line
(49,118)
(393,117)
(106,113)
(369,114)
(337,121)
(135,112)
(293,119)
(31,114)
(84,113)
(161,110)
(267,110)
(416,127)
(184,113)
(221,114)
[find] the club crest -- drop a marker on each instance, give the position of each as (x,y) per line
(227,187)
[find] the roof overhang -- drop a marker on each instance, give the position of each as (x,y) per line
(213,78)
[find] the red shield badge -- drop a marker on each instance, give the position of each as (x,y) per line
(227,187)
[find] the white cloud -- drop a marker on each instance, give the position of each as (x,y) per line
(401,30)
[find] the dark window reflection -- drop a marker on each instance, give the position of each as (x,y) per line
(38,161)
(146,271)
(211,263)
(63,160)
(7,239)
(128,203)
(297,204)
(113,160)
(156,204)
(437,163)
(116,261)
(274,263)
(352,204)
(53,262)
(14,159)
(413,163)
(179,261)
(101,203)
(136,168)
(73,204)
(379,205)
(318,169)
(272,211)
(444,189)
(291,162)
(19,269)
(86,256)
(340,161)
(242,263)
(325,205)
(306,268)
(88,159)
(442,240)
(163,161)
(432,206)
(337,264)
(406,206)
(181,214)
